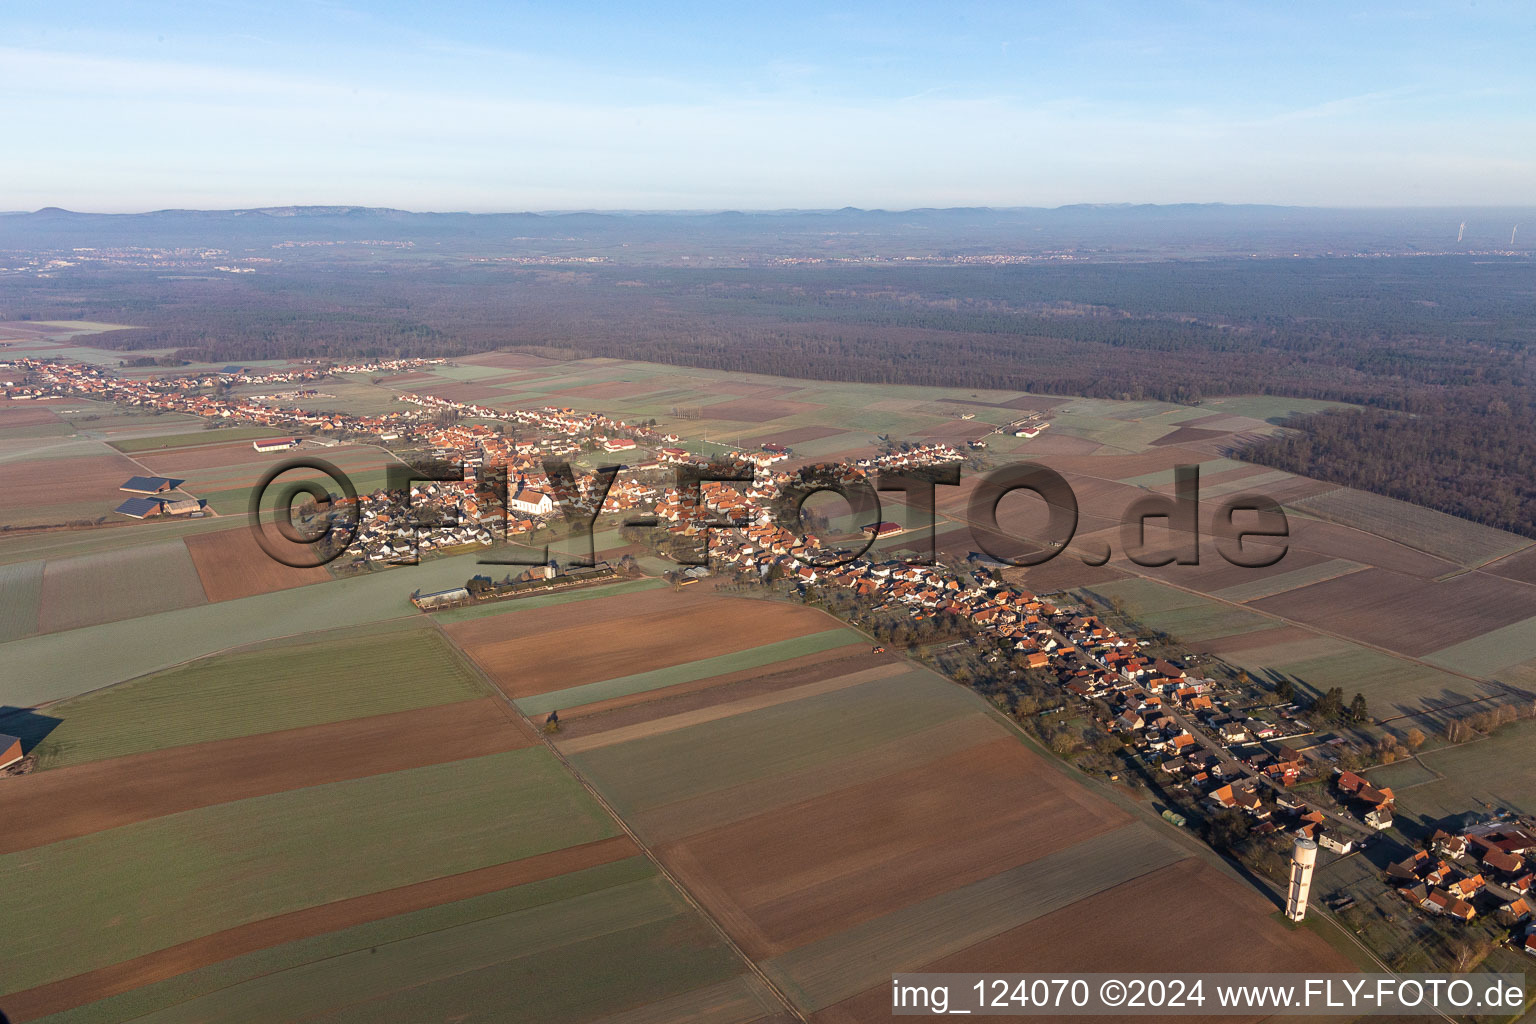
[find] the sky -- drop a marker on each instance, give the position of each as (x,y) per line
(124,106)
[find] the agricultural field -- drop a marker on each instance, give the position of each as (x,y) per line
(58,803)
(320,844)
(21,594)
(93,589)
(54,666)
(1189,618)
(616,925)
(230,564)
(1090,932)
(416,843)
(1268,648)
(1467,544)
(44,487)
(553,657)
(1485,774)
(193,439)
(847,814)
(311,680)
(835,812)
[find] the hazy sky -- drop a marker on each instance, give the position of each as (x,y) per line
(120,105)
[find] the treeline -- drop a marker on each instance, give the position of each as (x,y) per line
(1471,458)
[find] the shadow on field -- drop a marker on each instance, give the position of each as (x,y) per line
(29,727)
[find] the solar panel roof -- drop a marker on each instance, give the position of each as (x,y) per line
(138,507)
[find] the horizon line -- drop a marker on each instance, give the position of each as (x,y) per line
(750,211)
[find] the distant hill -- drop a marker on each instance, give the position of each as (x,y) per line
(1191,229)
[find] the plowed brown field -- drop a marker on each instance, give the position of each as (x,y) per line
(231,564)
(810,869)
(558,658)
(1202,917)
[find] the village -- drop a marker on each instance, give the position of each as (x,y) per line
(1207,743)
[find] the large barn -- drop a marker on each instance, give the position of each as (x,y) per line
(148,485)
(10,750)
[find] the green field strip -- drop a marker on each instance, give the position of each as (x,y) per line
(513,605)
(21,591)
(36,430)
(1497,771)
(774,741)
(568,982)
(1269,586)
(1189,617)
(86,326)
(843,965)
(21,450)
(1164,477)
(737,1001)
(196,438)
(1391,685)
(22,547)
(1255,483)
(58,665)
(562,963)
(233,501)
(1403,775)
(1270,408)
(1444,536)
(298,954)
(641,682)
(1496,649)
(127,891)
(245,693)
(122,584)
(460,373)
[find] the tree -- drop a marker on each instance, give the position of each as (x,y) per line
(1330,705)
(1063,742)
(1285,689)
(1227,829)
(1415,738)
(1358,712)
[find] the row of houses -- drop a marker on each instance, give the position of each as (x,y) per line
(199,394)
(1492,864)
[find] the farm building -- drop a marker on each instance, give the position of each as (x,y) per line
(885,529)
(10,750)
(148,485)
(276,444)
(618,444)
(441,598)
(139,508)
(185,506)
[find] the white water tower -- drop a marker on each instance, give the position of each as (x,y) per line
(1303,859)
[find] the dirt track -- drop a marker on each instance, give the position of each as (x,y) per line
(67,802)
(258,935)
